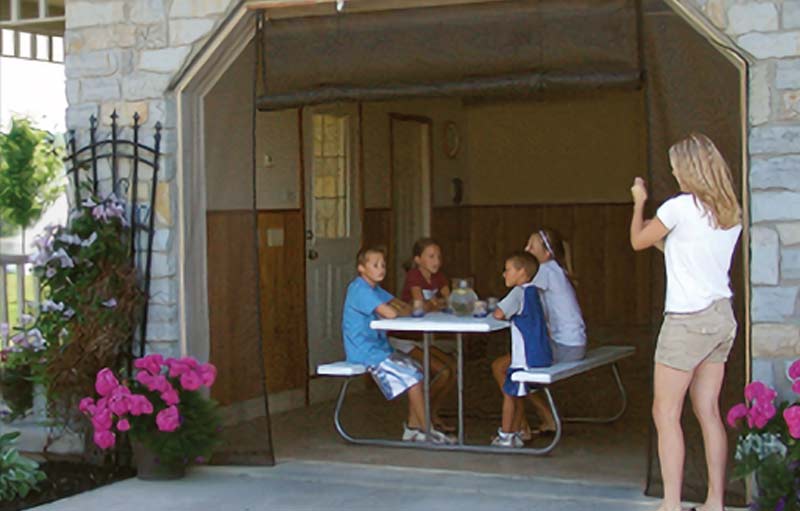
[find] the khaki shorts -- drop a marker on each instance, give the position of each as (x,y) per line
(687,340)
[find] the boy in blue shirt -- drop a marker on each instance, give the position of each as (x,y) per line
(394,372)
(530,342)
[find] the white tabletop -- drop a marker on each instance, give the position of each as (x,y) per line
(440,322)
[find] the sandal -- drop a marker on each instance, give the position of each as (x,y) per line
(444,428)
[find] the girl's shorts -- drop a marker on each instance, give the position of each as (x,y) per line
(687,340)
(396,374)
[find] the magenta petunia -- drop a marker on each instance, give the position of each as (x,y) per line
(755,390)
(735,413)
(794,370)
(170,396)
(151,363)
(796,387)
(87,405)
(208,373)
(140,405)
(105,382)
(105,439)
(191,380)
(792,417)
(177,367)
(123,425)
(168,419)
(101,420)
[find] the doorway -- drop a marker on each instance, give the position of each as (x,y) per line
(411,159)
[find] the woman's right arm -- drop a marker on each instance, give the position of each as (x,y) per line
(644,235)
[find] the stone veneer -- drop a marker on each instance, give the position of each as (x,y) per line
(122,54)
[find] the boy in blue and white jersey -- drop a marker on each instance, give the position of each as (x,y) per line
(530,342)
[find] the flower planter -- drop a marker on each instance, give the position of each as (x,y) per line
(17,390)
(150,468)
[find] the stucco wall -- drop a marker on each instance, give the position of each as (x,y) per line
(123,53)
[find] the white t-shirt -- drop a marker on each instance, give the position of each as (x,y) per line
(564,317)
(697,255)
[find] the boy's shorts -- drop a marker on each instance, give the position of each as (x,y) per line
(396,374)
(687,340)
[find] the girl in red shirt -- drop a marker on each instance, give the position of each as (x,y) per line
(426,283)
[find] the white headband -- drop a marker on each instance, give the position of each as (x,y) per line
(546,243)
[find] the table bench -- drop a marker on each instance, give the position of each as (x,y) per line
(595,358)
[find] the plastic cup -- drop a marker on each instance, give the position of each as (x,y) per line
(479,310)
(491,303)
(418,308)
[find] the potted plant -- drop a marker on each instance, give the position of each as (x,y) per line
(768,446)
(22,353)
(169,419)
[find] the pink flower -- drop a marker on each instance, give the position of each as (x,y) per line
(105,382)
(179,367)
(170,396)
(796,386)
(757,390)
(151,363)
(123,425)
(168,419)
(737,412)
(102,420)
(119,401)
(208,373)
(792,417)
(190,380)
(794,370)
(140,405)
(104,439)
(153,383)
(87,405)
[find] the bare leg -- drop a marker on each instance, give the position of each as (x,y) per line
(543,411)
(704,392)
(442,377)
(509,409)
(416,407)
(670,386)
(499,368)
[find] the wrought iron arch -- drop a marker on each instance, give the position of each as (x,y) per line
(131,165)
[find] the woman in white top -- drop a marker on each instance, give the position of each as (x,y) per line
(562,312)
(700,229)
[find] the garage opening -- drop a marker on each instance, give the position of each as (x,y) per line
(476,124)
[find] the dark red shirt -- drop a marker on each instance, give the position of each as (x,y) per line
(414,278)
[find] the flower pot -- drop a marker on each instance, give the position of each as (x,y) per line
(17,390)
(150,468)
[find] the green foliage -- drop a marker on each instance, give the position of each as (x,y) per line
(196,436)
(30,163)
(18,474)
(17,387)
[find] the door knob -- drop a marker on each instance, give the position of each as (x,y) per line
(313,254)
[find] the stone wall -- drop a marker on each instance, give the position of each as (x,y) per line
(121,54)
(770,33)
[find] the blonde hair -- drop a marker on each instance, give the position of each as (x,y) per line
(703,172)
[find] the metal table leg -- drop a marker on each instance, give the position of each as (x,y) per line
(460,370)
(427,380)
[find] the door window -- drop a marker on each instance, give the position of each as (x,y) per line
(329,197)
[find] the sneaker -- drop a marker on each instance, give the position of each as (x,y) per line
(417,435)
(507,440)
(412,434)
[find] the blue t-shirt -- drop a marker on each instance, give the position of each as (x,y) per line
(530,343)
(362,344)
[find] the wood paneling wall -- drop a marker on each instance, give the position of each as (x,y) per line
(283,300)
(232,306)
(614,282)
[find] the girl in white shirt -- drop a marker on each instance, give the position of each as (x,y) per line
(562,312)
(699,229)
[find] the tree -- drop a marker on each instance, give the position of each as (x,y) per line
(30,164)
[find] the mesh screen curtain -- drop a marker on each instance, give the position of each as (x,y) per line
(235,308)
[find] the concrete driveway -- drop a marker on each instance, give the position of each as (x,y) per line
(308,485)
